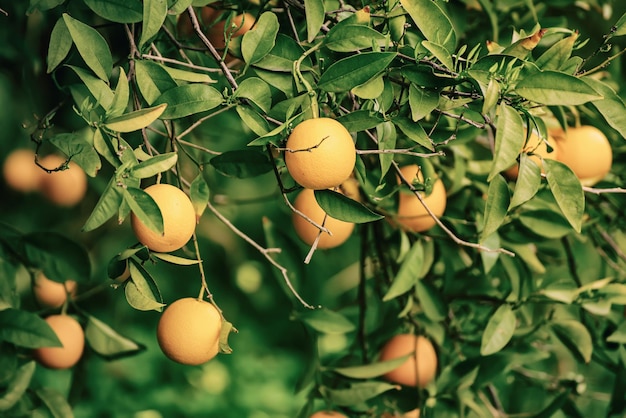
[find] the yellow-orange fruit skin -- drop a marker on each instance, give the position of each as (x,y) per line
(419,369)
(66,187)
(306,203)
(586,150)
(72,337)
(412,215)
(20,171)
(539,150)
(179,219)
(320,153)
(328,414)
(51,294)
(188,331)
(415,413)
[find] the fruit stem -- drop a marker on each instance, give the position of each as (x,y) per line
(298,73)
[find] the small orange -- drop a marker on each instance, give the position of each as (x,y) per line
(328,414)
(52,294)
(179,219)
(419,369)
(412,214)
(586,150)
(320,153)
(20,171)
(72,337)
(65,187)
(307,204)
(415,413)
(537,149)
(188,331)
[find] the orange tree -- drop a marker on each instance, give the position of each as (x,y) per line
(461,290)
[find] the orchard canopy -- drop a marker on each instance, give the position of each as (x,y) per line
(394,208)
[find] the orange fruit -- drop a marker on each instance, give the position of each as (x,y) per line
(66,187)
(179,219)
(320,153)
(306,203)
(415,413)
(20,171)
(328,414)
(412,214)
(419,369)
(586,150)
(188,331)
(537,149)
(72,337)
(52,294)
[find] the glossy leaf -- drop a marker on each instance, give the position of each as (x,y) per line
(98,88)
(369,371)
(188,99)
(315,15)
(59,46)
(59,257)
(546,223)
(498,199)
(141,291)
(184,75)
(422,102)
(282,55)
(17,386)
(253,120)
(567,191)
(432,22)
(343,208)
(555,88)
(509,140)
(133,121)
(387,140)
(55,401)
(326,321)
(120,11)
(499,330)
(372,89)
(154,14)
(176,260)
(107,206)
(145,208)
(352,38)
(414,131)
(108,343)
(347,73)
(199,194)
(575,336)
(440,52)
(357,392)
(81,151)
(25,329)
(259,41)
(91,46)
(154,165)
(120,96)
(409,273)
(360,120)
(152,80)
(242,163)
(620,26)
(611,107)
(430,300)
(528,181)
(257,91)
(558,54)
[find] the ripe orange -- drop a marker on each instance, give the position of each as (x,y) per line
(66,187)
(306,203)
(415,413)
(20,171)
(179,219)
(419,369)
(328,414)
(52,294)
(586,150)
(189,331)
(411,213)
(320,153)
(72,337)
(537,149)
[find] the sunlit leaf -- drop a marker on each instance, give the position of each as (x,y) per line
(611,107)
(59,46)
(107,342)
(136,120)
(258,42)
(91,46)
(257,91)
(567,191)
(188,99)
(499,330)
(154,165)
(528,181)
(154,14)
(432,21)
(347,73)
(349,38)
(343,208)
(369,371)
(174,259)
(99,89)
(107,206)
(575,336)
(555,88)
(77,146)
(199,194)
(152,80)
(120,11)
(17,386)
(498,199)
(315,15)
(422,102)
(145,208)
(141,290)
(55,401)
(509,139)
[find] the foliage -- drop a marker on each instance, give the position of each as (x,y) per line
(520,285)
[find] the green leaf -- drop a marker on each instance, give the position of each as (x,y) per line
(347,73)
(174,259)
(558,54)
(440,52)
(59,46)
(108,204)
(141,291)
(498,199)
(154,165)
(575,336)
(430,300)
(432,21)
(567,191)
(253,120)
(564,291)
(59,257)
(372,89)
(387,139)
(199,194)
(372,370)
(546,223)
(145,208)
(414,131)
(121,96)
(509,140)
(259,41)
(184,75)
(281,57)
(17,386)
(619,335)
(242,163)
(357,392)
(409,274)
(343,208)
(25,329)
(422,102)
(152,80)
(315,15)
(154,14)
(352,38)
(499,330)
(55,401)
(189,99)
(555,88)
(108,343)
(360,120)
(612,107)
(257,91)
(99,89)
(619,27)
(133,121)
(81,151)
(528,181)
(326,321)
(556,405)
(120,11)
(179,6)
(91,46)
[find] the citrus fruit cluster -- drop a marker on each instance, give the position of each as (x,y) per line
(62,188)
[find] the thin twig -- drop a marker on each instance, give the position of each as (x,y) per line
(601,191)
(181,63)
(406,151)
